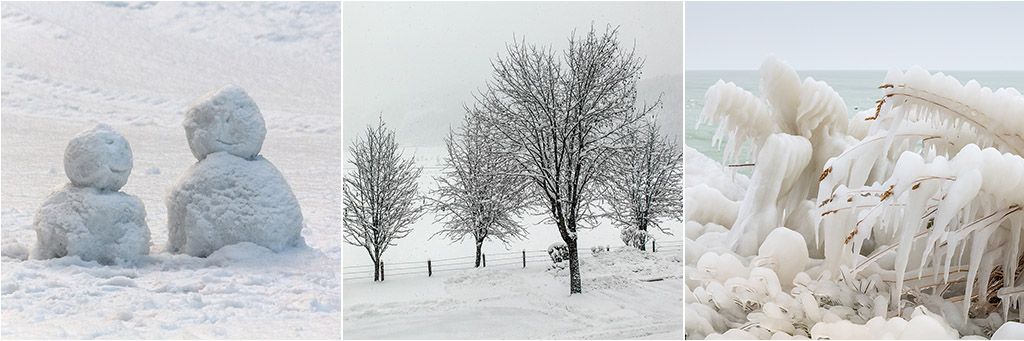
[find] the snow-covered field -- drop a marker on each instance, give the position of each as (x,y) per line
(68,66)
(619,301)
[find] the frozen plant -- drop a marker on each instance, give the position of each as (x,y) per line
(89,217)
(646,185)
(916,208)
(944,187)
(479,193)
(381,196)
(561,117)
(232,194)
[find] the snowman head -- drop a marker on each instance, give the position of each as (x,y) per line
(225,120)
(99,157)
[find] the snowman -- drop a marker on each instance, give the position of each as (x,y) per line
(232,194)
(89,217)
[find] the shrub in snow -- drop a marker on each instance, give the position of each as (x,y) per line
(559,252)
(595,250)
(634,237)
(231,195)
(88,217)
(225,120)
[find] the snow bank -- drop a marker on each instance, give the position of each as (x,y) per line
(94,224)
(98,157)
(224,200)
(225,120)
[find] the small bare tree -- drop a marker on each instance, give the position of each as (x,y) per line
(380,195)
(562,118)
(478,194)
(646,186)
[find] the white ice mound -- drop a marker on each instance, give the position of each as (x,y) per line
(224,200)
(99,157)
(1009,331)
(94,224)
(225,120)
(783,250)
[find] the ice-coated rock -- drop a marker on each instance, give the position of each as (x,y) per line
(225,120)
(94,224)
(223,200)
(99,157)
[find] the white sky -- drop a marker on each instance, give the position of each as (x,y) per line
(415,64)
(856,35)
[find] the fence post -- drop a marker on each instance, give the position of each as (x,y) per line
(654,245)
(381,271)
(524,258)
(430,272)
(484,255)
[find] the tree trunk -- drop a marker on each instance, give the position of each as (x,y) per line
(376,269)
(479,243)
(643,236)
(575,287)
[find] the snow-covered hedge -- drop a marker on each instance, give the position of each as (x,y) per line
(559,252)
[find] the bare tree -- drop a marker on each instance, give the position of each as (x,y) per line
(562,118)
(646,186)
(380,195)
(478,195)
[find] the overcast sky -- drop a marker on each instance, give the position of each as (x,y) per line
(856,35)
(415,64)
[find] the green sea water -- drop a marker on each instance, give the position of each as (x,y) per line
(859,90)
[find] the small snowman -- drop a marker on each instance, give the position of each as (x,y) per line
(232,194)
(89,217)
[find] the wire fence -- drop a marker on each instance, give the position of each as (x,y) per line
(505,259)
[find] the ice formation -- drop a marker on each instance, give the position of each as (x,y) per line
(911,213)
(225,120)
(88,217)
(231,195)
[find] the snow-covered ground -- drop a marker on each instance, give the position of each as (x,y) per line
(68,66)
(626,294)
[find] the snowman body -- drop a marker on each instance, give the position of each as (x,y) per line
(231,194)
(89,217)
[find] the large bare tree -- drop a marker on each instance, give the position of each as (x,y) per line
(381,195)
(561,118)
(646,186)
(478,194)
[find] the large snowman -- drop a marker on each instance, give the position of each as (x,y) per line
(89,217)
(232,194)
